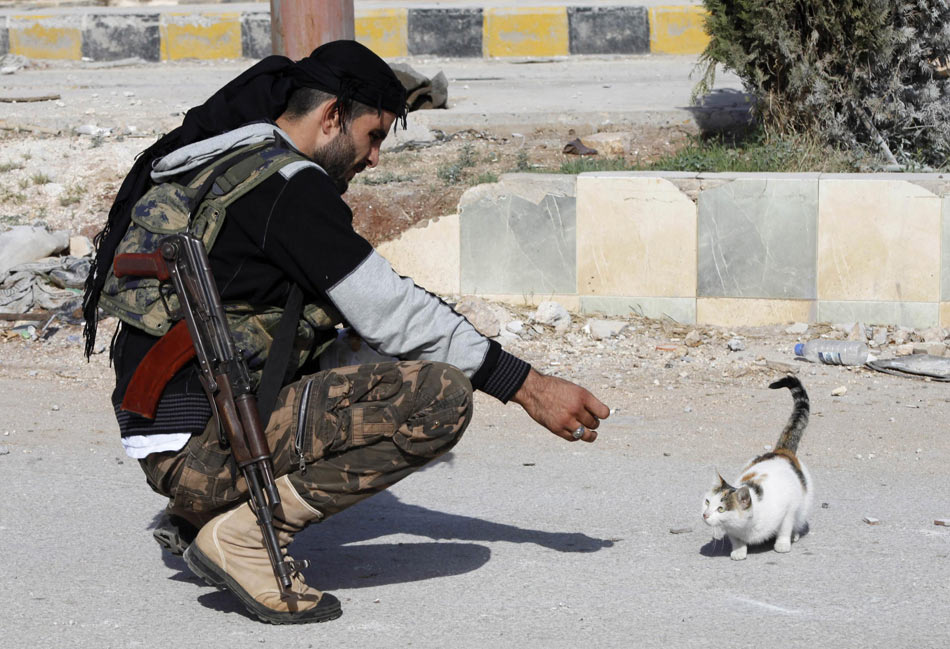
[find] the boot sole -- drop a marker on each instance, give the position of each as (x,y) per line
(327,609)
(170,540)
(174,534)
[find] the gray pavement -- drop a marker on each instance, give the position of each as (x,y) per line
(516,540)
(584,92)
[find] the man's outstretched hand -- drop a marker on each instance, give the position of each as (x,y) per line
(561,406)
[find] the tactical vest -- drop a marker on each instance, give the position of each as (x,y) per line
(199,207)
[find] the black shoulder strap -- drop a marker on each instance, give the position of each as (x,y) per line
(277,366)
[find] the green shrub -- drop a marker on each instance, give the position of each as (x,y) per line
(857,74)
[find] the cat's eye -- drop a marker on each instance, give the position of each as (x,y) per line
(707,502)
(721,509)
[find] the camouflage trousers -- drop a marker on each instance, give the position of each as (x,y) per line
(342,435)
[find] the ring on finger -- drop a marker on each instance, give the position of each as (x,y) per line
(578,432)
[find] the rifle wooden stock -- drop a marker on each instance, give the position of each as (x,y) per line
(138,264)
(171,353)
(231,421)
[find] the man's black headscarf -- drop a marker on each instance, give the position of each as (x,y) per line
(345,69)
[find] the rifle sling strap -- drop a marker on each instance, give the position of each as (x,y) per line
(278,369)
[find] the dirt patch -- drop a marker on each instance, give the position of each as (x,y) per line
(69,181)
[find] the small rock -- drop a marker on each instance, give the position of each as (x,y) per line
(53,189)
(608,144)
(825,505)
(680,530)
(693,339)
(933,335)
(481,315)
(4,450)
(92,130)
(553,314)
(736,345)
(934,349)
(797,329)
(871,521)
(858,332)
(688,409)
(839,391)
(80,246)
(515,326)
(54,407)
(879,337)
(601,329)
(904,349)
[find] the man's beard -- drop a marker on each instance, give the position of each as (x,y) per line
(337,158)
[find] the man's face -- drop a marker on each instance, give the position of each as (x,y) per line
(350,152)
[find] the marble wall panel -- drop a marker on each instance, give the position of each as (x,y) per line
(429,255)
(745,312)
(519,238)
(680,309)
(878,240)
(636,236)
(919,315)
(757,239)
(944,316)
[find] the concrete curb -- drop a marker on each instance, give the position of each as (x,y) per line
(211,32)
(727,249)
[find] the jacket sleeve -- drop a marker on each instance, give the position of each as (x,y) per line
(308,232)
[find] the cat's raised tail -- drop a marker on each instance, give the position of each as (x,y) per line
(792,434)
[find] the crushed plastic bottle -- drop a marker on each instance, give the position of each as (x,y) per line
(833,352)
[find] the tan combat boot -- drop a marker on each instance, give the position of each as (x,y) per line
(229,553)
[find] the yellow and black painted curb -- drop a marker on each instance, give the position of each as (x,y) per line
(174,33)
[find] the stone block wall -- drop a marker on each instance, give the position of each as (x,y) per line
(723,249)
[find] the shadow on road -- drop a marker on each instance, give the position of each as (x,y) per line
(343,555)
(722,547)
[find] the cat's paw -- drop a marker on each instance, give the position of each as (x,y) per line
(739,554)
(783,545)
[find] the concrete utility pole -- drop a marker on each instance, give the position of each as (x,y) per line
(299,26)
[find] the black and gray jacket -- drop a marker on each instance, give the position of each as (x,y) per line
(295,229)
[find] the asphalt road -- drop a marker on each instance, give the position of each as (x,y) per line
(582,91)
(517,539)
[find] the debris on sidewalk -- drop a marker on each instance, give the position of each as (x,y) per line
(942,522)
(839,391)
(936,368)
(613,144)
(422,92)
(681,530)
(25,243)
(872,521)
(576,147)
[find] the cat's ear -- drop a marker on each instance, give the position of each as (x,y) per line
(744,498)
(723,485)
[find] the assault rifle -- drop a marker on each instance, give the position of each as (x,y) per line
(183,260)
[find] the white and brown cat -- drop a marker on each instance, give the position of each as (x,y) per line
(772,495)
